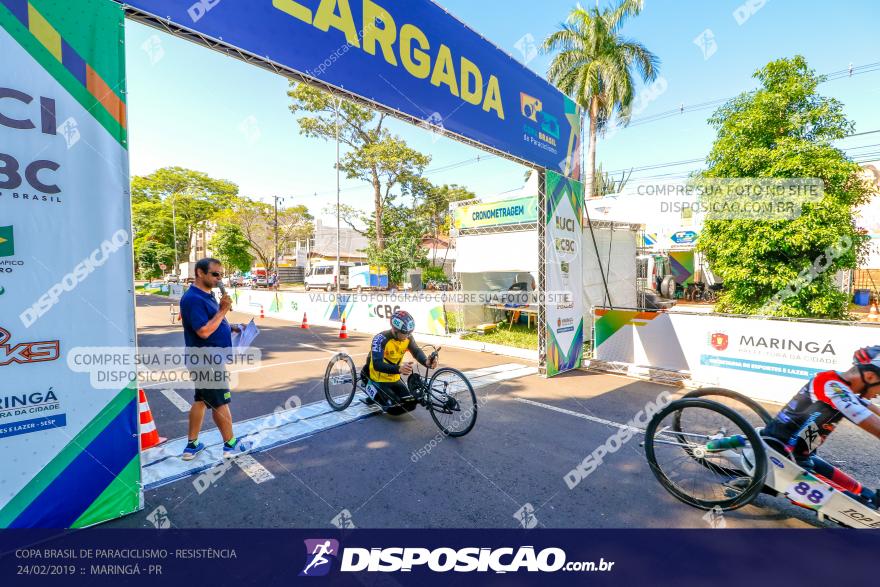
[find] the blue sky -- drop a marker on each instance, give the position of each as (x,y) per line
(195,108)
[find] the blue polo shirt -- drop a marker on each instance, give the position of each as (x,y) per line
(197,308)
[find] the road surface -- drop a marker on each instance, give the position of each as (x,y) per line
(397,472)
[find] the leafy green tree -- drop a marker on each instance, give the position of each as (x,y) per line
(256,223)
(403,242)
(174,196)
(595,66)
(149,254)
(373,154)
(428,215)
(784,129)
(433,210)
(232,247)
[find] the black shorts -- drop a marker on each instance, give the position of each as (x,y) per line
(394,396)
(218,393)
(213,398)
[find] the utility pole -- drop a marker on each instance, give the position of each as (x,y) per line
(174,228)
(276,233)
(338,231)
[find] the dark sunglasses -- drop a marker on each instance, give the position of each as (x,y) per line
(216,273)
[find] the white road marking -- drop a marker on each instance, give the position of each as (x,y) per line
(494,369)
(578,415)
(163,465)
(253,469)
(486,379)
(176,399)
(317,348)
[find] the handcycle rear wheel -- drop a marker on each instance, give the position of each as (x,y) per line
(682,462)
(451,400)
(340,381)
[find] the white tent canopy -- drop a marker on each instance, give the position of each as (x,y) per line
(496,261)
(503,251)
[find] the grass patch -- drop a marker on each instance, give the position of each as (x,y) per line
(520,336)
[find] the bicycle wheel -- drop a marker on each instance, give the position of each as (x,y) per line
(340,381)
(452,402)
(755,415)
(719,462)
(758,416)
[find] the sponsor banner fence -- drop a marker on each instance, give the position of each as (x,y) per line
(367,312)
(411,57)
(766,359)
(564,272)
(70,452)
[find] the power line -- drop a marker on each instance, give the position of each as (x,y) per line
(447,167)
(700,159)
(832,76)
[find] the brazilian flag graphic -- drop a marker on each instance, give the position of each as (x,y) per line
(7,244)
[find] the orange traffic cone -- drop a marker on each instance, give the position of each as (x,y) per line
(262,315)
(873,315)
(149,434)
(305,322)
(343,332)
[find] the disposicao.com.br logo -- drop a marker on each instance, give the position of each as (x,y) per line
(320,554)
(442,560)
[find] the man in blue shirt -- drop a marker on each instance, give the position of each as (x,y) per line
(205,326)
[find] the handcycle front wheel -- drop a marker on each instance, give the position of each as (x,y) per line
(340,381)
(451,400)
(755,414)
(696,473)
(733,400)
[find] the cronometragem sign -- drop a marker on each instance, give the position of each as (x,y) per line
(410,56)
(514,211)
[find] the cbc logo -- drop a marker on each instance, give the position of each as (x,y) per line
(385,311)
(565,245)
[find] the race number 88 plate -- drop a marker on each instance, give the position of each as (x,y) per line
(809,491)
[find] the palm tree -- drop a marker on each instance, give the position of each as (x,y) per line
(595,66)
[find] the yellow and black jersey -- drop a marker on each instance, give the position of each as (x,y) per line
(386,354)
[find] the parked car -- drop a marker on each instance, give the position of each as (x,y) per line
(172,278)
(258,278)
(234,281)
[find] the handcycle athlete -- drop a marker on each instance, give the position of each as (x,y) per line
(381,374)
(811,416)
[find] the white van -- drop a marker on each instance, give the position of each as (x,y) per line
(325,276)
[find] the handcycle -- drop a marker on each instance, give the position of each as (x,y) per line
(447,394)
(710,455)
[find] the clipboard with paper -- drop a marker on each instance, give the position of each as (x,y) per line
(242,340)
